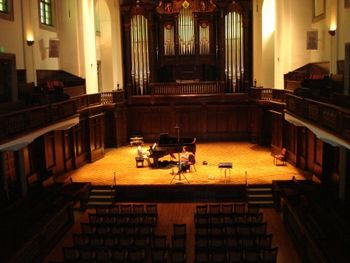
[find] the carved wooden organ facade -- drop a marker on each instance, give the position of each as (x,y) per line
(187,41)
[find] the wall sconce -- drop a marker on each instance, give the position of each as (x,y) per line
(30,42)
(331,32)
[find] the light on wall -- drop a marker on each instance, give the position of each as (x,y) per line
(332,29)
(30,42)
(331,32)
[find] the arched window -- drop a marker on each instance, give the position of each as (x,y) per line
(140,71)
(234,47)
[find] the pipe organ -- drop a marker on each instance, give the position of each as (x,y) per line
(187,40)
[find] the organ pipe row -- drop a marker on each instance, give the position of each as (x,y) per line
(204,41)
(186,32)
(234,63)
(169,47)
(140,71)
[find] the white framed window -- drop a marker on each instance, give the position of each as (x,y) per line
(46,13)
(6,11)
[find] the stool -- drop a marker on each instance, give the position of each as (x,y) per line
(139,161)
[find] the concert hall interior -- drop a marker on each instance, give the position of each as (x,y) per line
(174,131)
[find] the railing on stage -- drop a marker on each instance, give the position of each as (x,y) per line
(187,87)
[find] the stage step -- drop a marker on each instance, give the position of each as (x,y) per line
(101,195)
(260,195)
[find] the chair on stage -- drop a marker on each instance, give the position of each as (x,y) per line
(192,162)
(280,159)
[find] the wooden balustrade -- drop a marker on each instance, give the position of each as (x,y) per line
(106,97)
(329,116)
(307,245)
(24,120)
(63,109)
(186,88)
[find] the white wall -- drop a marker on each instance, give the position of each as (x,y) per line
(268,43)
(105,46)
(273,56)
(87,29)
(257,42)
(292,25)
(11,35)
(71,53)
(343,32)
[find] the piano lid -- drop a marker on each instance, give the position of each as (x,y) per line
(165,139)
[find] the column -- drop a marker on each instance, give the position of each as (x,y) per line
(342,173)
(21,172)
(3,173)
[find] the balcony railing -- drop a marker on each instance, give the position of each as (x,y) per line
(22,121)
(186,88)
(331,117)
(28,119)
(267,94)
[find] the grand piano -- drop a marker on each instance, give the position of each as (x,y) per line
(168,145)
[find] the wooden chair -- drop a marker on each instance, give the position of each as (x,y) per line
(280,159)
(192,162)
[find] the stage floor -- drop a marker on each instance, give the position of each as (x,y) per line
(251,163)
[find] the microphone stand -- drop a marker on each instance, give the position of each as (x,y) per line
(179,164)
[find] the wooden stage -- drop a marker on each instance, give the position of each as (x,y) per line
(252,164)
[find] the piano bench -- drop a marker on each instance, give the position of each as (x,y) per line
(139,161)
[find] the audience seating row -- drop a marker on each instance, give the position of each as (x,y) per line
(119,254)
(232,233)
(229,242)
(117,229)
(227,209)
(228,219)
(237,256)
(123,219)
(128,209)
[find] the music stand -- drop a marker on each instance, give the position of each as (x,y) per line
(179,172)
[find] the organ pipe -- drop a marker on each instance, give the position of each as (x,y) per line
(186,32)
(140,72)
(234,62)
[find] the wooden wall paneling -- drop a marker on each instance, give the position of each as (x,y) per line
(96,138)
(239,123)
(49,151)
(318,156)
(277,131)
(8,78)
(310,151)
(330,175)
(347,172)
(265,127)
(26,160)
(37,156)
(290,142)
(68,150)
(301,147)
(81,143)
(256,124)
(204,127)
(59,151)
(111,131)
(188,118)
(121,126)
(314,154)
(12,184)
(149,122)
